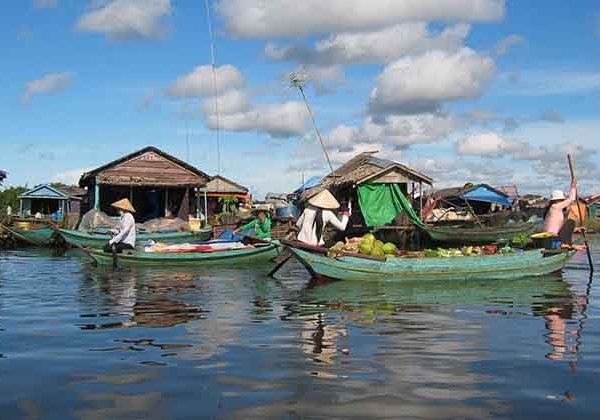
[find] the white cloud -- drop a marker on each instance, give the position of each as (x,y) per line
(259,18)
(486,144)
(380,46)
(45,4)
(419,84)
(505,44)
(398,132)
(200,81)
(230,102)
(50,83)
(70,177)
(277,120)
(127,19)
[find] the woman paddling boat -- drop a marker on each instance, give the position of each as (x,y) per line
(315,218)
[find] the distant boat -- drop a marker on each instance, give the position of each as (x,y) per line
(96,240)
(399,269)
(32,233)
(473,234)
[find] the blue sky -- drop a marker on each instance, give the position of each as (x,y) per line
(465,90)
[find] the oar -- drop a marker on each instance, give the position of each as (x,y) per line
(280,264)
(115,264)
(86,252)
(585,241)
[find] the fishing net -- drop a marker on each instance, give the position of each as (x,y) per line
(163,225)
(96,220)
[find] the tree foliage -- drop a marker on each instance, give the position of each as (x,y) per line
(10,197)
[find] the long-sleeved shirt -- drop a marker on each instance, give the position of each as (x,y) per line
(308,227)
(262,230)
(125,232)
(555,217)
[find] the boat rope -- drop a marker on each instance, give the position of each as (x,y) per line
(214,82)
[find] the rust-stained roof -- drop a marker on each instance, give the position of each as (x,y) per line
(157,177)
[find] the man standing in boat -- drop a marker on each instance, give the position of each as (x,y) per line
(124,234)
(555,218)
(315,218)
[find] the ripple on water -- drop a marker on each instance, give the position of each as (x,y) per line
(227,342)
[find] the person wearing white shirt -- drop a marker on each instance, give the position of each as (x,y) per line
(315,218)
(124,235)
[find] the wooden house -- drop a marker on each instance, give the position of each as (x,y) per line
(368,169)
(220,190)
(156,183)
(51,202)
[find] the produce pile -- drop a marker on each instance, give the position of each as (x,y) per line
(468,251)
(366,245)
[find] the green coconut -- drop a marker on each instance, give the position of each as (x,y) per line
(377,252)
(365,247)
(368,237)
(378,244)
(389,249)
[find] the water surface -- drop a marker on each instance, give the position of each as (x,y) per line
(78,342)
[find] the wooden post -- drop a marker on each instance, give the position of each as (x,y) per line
(131,194)
(166,201)
(421,199)
(96,195)
(205,206)
(198,203)
(21,207)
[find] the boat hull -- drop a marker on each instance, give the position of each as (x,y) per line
(489,267)
(192,258)
(37,235)
(477,235)
(90,240)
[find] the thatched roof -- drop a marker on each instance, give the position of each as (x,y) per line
(221,185)
(363,167)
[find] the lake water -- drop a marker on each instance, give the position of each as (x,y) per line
(79,342)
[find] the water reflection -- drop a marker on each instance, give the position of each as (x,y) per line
(232,343)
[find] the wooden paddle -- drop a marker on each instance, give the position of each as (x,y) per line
(585,241)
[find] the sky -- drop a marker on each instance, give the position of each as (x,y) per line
(463,90)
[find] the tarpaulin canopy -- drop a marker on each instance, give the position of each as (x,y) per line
(381,203)
(487,195)
(311,183)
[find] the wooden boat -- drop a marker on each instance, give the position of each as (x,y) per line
(95,240)
(476,234)
(37,234)
(486,267)
(262,251)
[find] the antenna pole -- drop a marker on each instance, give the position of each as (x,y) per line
(215,87)
(297,82)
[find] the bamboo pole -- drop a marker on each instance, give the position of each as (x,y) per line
(585,241)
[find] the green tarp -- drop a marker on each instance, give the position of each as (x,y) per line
(381,203)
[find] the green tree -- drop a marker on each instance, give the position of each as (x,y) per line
(10,197)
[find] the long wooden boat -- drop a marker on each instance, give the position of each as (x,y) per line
(486,267)
(139,257)
(95,240)
(37,234)
(476,234)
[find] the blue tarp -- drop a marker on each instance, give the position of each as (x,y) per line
(488,196)
(311,183)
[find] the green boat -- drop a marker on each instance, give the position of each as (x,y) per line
(139,257)
(478,235)
(95,240)
(485,267)
(33,234)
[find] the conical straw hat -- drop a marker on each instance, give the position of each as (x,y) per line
(324,200)
(124,205)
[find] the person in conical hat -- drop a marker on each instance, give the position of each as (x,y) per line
(124,235)
(315,218)
(554,221)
